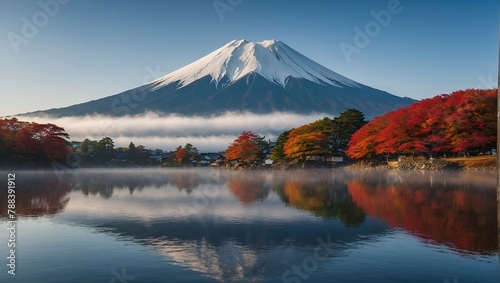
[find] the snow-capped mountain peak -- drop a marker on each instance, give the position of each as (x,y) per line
(242,76)
(272,59)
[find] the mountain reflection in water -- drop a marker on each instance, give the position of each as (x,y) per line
(230,225)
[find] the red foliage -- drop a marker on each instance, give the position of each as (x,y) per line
(458,122)
(362,142)
(180,154)
(32,141)
(244,148)
(455,216)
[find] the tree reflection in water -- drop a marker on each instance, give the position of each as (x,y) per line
(454,209)
(248,188)
(38,194)
(458,212)
(327,199)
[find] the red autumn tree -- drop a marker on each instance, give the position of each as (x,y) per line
(27,147)
(364,141)
(180,153)
(53,140)
(472,123)
(432,126)
(186,154)
(26,141)
(245,148)
(459,122)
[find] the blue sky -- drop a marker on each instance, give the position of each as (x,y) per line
(85,50)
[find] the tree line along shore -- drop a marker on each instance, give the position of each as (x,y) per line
(426,135)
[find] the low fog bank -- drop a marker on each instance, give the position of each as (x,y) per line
(169,131)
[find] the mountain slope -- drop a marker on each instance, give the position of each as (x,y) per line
(272,59)
(260,77)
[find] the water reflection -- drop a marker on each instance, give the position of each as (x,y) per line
(227,262)
(243,222)
(247,188)
(186,181)
(38,193)
(326,198)
(227,251)
(458,210)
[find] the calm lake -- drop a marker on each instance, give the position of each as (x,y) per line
(212,225)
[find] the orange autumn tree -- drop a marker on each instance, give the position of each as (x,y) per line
(246,148)
(305,141)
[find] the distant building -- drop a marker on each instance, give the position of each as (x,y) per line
(211,158)
(120,157)
(334,159)
(154,158)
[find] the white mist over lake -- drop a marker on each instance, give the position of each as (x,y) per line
(166,132)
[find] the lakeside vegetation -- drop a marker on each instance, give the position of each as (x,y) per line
(462,123)
(314,142)
(475,162)
(32,144)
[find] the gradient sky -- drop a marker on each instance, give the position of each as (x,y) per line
(91,49)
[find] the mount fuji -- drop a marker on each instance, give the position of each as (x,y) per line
(242,76)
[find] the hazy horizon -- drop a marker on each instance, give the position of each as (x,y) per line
(166,132)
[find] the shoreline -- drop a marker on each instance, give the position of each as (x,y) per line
(477,163)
